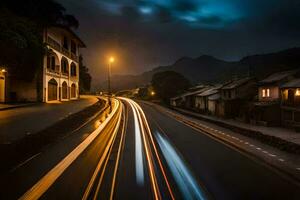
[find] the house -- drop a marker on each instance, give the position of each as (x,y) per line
(58,76)
(266,111)
(206,101)
(187,99)
(235,94)
(290,103)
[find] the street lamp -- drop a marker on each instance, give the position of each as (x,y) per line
(111,60)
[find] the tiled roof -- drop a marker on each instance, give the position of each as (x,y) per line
(295,83)
(278,76)
(237,83)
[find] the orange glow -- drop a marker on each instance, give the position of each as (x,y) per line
(111,59)
(297,93)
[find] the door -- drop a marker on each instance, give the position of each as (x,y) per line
(64,90)
(73,90)
(52,90)
(2,89)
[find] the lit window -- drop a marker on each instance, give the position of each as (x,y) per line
(268,92)
(265,92)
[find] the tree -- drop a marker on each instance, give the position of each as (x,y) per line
(168,84)
(22,24)
(85,78)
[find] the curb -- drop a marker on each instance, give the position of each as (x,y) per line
(18,106)
(273,141)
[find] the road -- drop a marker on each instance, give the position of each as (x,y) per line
(140,152)
(32,119)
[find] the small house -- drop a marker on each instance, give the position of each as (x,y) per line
(266,111)
(290,104)
(235,94)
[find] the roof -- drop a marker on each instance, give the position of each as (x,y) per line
(237,83)
(69,30)
(295,83)
(189,93)
(208,92)
(214,97)
(198,87)
(277,76)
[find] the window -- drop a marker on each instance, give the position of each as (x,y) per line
(64,65)
(51,62)
(65,43)
(73,47)
(265,92)
(73,69)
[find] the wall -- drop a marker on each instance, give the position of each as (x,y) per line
(274,93)
(23,91)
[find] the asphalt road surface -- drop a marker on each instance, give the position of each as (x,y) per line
(139,152)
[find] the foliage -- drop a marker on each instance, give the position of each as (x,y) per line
(20,45)
(43,12)
(168,84)
(85,78)
(21,25)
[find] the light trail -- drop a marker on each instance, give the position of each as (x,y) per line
(37,190)
(156,152)
(183,177)
(149,158)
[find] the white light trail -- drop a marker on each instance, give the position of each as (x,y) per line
(183,177)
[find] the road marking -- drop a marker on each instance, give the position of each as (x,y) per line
(272,155)
(37,190)
(258,148)
(26,161)
(280,159)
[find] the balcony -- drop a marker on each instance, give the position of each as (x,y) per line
(55,45)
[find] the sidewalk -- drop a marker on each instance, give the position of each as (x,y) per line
(282,138)
(22,121)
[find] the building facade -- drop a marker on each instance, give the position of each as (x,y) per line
(61,67)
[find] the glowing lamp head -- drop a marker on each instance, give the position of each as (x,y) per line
(3,70)
(152,93)
(297,93)
(111,59)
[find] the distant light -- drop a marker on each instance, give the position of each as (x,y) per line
(111,59)
(297,92)
(3,70)
(152,93)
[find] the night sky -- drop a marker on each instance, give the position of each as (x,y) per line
(148,33)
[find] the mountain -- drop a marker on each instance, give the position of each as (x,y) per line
(207,69)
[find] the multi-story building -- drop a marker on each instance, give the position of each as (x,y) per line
(60,69)
(56,79)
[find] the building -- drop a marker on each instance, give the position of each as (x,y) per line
(2,85)
(187,100)
(266,111)
(290,104)
(235,94)
(61,70)
(207,100)
(56,79)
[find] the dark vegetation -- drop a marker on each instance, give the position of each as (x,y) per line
(30,145)
(21,28)
(85,78)
(168,84)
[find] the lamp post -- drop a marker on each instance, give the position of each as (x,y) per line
(111,60)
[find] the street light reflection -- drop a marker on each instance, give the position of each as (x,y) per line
(183,177)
